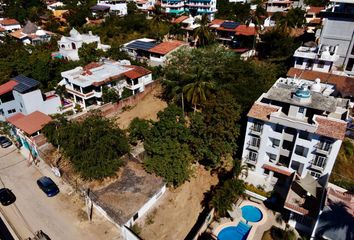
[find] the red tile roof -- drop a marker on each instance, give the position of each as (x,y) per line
(217,22)
(180,19)
(331,127)
(137,72)
(2,29)
(9,21)
(316,21)
(31,123)
(276,169)
(245,30)
(166,47)
(7,87)
(345,85)
(315,10)
(261,111)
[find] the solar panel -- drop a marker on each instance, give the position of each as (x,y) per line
(24,83)
(141,45)
(230,25)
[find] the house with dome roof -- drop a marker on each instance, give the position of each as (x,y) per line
(69,46)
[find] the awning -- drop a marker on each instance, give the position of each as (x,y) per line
(277,169)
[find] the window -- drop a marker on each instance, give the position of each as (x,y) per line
(1,112)
(304,135)
(266,172)
(301,151)
(278,128)
(350,64)
(11,111)
(255,141)
(252,156)
(257,127)
(319,161)
(73,45)
(135,217)
(299,61)
(301,109)
(321,64)
(315,174)
(275,142)
(325,145)
(309,64)
(272,157)
(21,105)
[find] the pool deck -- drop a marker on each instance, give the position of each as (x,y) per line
(258,228)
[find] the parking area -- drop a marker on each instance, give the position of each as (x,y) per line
(60,217)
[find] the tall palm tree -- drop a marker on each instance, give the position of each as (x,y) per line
(198,90)
(202,34)
(240,170)
(255,18)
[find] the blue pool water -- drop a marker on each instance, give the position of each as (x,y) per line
(251,213)
(239,232)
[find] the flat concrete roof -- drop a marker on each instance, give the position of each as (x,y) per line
(284,93)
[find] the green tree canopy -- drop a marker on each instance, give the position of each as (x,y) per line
(93,146)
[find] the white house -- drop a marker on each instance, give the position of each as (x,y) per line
(9,24)
(85,84)
(69,46)
(338,29)
(151,51)
(21,95)
(117,7)
(145,5)
(54,5)
(278,5)
(193,7)
(297,126)
(317,58)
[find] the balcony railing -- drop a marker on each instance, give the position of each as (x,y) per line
(253,145)
(317,165)
(256,129)
(323,148)
(250,160)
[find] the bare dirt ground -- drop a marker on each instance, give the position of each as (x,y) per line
(177,211)
(147,109)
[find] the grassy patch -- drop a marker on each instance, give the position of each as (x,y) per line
(343,171)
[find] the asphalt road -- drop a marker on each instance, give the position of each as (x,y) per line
(56,216)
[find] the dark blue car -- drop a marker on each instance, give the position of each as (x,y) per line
(48,186)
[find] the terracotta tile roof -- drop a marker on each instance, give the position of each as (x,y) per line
(8,22)
(179,19)
(345,85)
(296,208)
(18,34)
(137,72)
(261,111)
(2,29)
(7,87)
(217,22)
(226,29)
(31,123)
(316,21)
(166,47)
(330,127)
(276,169)
(315,10)
(245,30)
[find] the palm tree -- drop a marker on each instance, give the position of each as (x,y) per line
(159,15)
(202,34)
(198,90)
(255,18)
(240,170)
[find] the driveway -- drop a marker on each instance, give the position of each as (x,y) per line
(61,217)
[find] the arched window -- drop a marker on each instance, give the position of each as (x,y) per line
(62,46)
(73,45)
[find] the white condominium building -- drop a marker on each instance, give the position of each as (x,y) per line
(297,126)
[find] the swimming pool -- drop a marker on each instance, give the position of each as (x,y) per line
(239,232)
(251,213)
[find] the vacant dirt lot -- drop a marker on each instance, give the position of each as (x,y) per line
(178,210)
(147,108)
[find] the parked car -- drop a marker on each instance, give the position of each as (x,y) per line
(7,197)
(48,186)
(5,142)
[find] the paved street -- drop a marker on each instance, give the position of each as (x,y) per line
(60,217)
